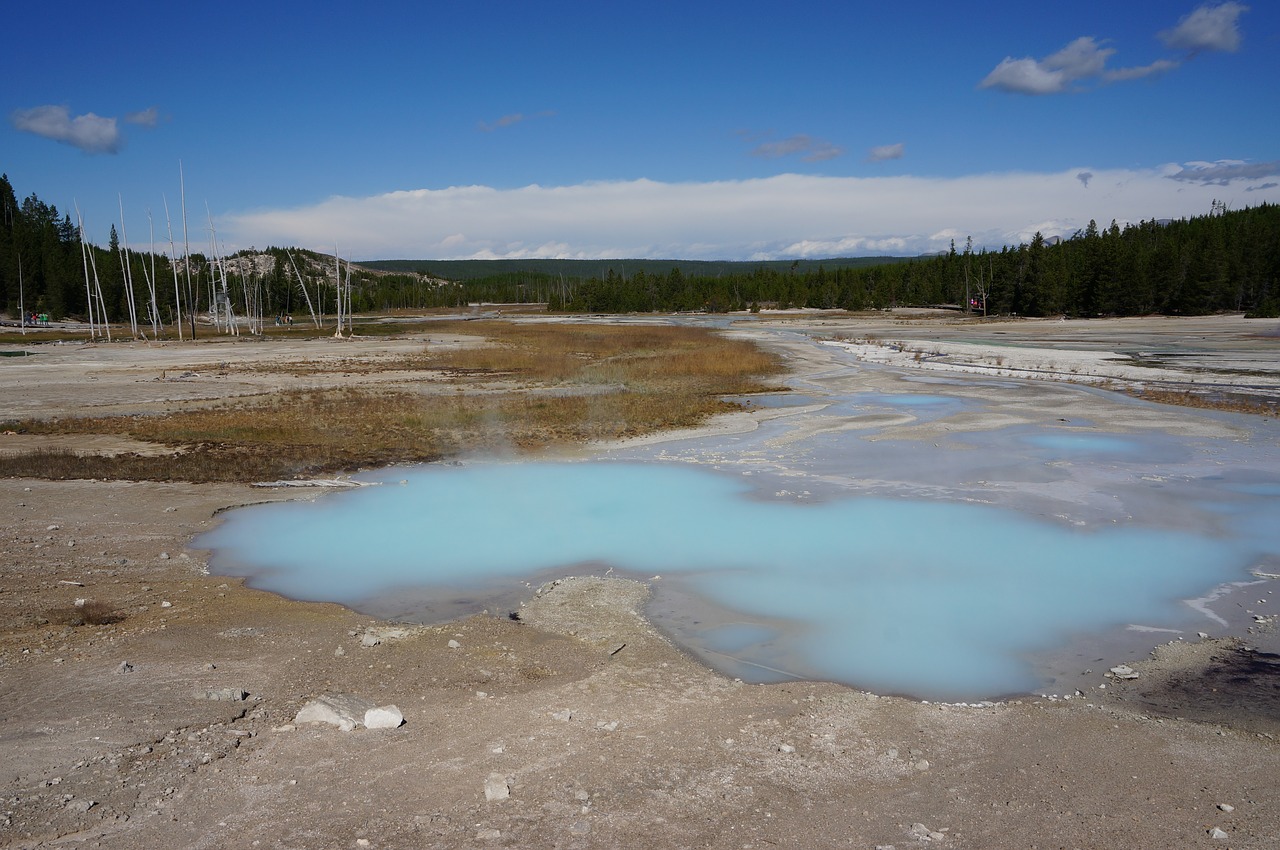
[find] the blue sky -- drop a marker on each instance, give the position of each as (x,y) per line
(673,130)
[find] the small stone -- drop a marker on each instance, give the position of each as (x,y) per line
(786,748)
(1226,807)
(166,604)
(164,556)
(496,788)
(83,806)
(1217,833)
(1124,671)
(224,694)
(1203,635)
(370,640)
(453,644)
(921,765)
(124,667)
(362,842)
(339,652)
(383,717)
(565,715)
(489,835)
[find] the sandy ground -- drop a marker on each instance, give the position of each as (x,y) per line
(578,725)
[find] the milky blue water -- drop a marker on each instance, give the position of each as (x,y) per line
(933,599)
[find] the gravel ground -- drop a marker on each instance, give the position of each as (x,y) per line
(578,725)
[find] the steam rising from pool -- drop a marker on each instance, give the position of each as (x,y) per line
(938,599)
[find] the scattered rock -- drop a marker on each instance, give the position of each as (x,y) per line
(921,765)
(346,711)
(224,694)
(1217,833)
(125,667)
(383,717)
(496,788)
(921,832)
(1226,807)
(786,748)
(83,806)
(339,652)
(1123,671)
(166,604)
(453,644)
(370,640)
(565,715)
(489,835)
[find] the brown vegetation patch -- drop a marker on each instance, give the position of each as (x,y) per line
(547,384)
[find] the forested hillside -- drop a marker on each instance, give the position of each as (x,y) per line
(1224,260)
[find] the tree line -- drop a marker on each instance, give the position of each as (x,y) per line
(1225,260)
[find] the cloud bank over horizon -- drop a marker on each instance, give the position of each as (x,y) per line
(784,216)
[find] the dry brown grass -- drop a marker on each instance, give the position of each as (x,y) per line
(546,385)
(1230,402)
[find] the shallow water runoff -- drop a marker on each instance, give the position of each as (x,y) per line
(841,548)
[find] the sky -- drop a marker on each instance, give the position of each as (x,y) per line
(671,130)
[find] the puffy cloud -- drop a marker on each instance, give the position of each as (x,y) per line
(787,215)
(809,149)
(1207,28)
(1080,59)
(884,152)
(90,133)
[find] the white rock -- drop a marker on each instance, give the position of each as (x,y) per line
(383,717)
(496,787)
(166,604)
(1124,671)
(786,748)
(1226,807)
(1217,833)
(370,640)
(346,711)
(453,644)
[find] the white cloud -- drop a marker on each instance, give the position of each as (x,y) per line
(1081,59)
(1225,171)
(810,149)
(145,118)
(1160,66)
(90,133)
(787,215)
(1210,27)
(886,152)
(1207,28)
